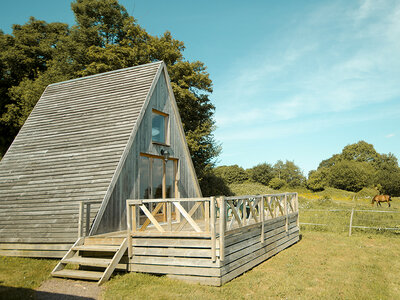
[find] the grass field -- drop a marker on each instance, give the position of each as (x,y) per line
(325,264)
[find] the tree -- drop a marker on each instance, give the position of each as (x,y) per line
(261,173)
(356,167)
(104,38)
(350,175)
(289,172)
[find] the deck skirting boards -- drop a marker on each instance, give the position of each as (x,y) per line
(189,259)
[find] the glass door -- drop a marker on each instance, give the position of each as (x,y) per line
(158,180)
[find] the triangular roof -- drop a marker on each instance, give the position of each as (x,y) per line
(69,150)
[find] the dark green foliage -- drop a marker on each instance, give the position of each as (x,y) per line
(212,185)
(358,166)
(350,175)
(277,183)
(262,173)
(231,174)
(105,38)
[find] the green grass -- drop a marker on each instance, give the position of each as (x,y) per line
(320,266)
(20,276)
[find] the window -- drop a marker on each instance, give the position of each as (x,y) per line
(159,127)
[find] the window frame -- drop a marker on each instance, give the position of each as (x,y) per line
(166,127)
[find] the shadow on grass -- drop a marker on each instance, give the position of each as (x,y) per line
(11,293)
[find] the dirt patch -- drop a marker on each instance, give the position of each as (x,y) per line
(64,289)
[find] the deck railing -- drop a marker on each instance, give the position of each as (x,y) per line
(206,217)
(85,217)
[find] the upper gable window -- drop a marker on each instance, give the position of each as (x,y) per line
(159,127)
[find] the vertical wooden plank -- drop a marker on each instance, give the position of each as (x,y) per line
(87,219)
(207,215)
(80,221)
(222,226)
(262,219)
(177,212)
(212,225)
(351,221)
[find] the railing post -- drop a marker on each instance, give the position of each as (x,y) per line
(262,219)
(129,229)
(87,219)
(169,216)
(285,207)
(212,225)
(207,215)
(351,220)
(80,221)
(222,221)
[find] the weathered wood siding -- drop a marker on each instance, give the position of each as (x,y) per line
(128,182)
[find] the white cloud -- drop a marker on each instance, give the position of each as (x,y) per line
(390,135)
(322,71)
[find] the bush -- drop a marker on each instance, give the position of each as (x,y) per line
(231,174)
(277,183)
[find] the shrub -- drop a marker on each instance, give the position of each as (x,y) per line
(277,183)
(212,185)
(231,174)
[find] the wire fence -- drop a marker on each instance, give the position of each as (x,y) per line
(349,220)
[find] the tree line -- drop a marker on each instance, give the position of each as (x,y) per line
(105,38)
(358,166)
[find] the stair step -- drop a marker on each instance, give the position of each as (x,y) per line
(78,274)
(101,248)
(88,261)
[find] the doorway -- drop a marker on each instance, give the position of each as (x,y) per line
(158,180)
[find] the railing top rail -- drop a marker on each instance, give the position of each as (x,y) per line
(258,196)
(91,201)
(242,197)
(141,201)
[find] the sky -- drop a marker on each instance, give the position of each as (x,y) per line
(292,80)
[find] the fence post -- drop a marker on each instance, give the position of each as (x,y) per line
(297,209)
(212,225)
(222,211)
(351,221)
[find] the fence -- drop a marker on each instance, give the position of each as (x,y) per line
(349,219)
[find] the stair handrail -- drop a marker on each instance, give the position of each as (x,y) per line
(85,217)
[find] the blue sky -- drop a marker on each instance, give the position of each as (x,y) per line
(295,80)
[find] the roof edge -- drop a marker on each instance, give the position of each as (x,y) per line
(108,72)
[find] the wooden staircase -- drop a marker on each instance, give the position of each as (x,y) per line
(96,258)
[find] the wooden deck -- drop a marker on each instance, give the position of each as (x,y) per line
(210,242)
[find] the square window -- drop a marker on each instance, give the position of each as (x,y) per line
(159,127)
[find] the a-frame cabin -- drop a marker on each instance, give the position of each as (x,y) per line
(102,139)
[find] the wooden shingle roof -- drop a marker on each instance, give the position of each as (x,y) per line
(68,151)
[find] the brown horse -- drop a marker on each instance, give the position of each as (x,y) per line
(381,198)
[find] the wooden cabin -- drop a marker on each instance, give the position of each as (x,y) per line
(100,175)
(101,139)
